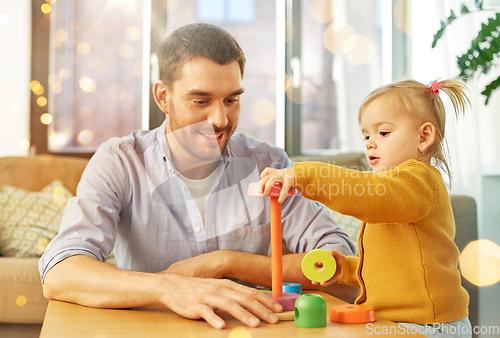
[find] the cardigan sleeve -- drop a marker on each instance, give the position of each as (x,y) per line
(348,275)
(405,194)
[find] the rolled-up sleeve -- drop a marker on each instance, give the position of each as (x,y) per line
(90,221)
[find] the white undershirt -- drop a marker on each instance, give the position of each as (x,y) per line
(200,189)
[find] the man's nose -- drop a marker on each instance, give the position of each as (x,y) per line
(218,115)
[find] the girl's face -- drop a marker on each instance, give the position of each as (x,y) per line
(391,136)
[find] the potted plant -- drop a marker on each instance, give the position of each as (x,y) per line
(485,47)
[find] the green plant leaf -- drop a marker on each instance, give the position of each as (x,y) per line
(463,9)
(452,17)
(489,88)
(479,4)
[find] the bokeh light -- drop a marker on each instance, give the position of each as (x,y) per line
(59,197)
(138,68)
(85,136)
(46,8)
(126,50)
(133,33)
(85,111)
(24,144)
(401,15)
(239,332)
(361,52)
(42,244)
(321,11)
(41,101)
(65,73)
(83,48)
(75,25)
(338,38)
(55,79)
(263,112)
(21,300)
(307,93)
(101,65)
(46,118)
(128,103)
(117,91)
(290,31)
(56,89)
(271,82)
(87,84)
(61,35)
(171,5)
(480,262)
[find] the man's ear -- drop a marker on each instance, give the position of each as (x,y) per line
(427,134)
(160,93)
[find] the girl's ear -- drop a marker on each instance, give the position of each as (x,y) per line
(160,93)
(427,134)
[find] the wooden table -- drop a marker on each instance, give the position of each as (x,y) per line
(70,320)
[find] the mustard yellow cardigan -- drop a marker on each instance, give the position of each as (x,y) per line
(407,265)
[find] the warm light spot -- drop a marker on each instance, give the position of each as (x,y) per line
(337,38)
(41,101)
(480,262)
(171,5)
(59,197)
(85,111)
(21,300)
(307,93)
(117,91)
(271,82)
(39,90)
(101,65)
(65,73)
(24,144)
(128,103)
(87,84)
(4,19)
(126,50)
(46,8)
(56,89)
(61,35)
(83,48)
(362,51)
(133,33)
(85,137)
(239,332)
(321,11)
(55,79)
(51,1)
(263,112)
(35,85)
(46,118)
(138,68)
(75,25)
(42,244)
(401,15)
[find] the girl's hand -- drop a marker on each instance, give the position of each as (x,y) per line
(270,176)
(339,259)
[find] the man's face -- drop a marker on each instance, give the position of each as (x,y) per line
(204,108)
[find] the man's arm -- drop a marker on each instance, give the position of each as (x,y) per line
(254,269)
(86,281)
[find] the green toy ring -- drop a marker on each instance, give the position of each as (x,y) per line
(312,272)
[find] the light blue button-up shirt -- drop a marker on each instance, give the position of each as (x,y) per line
(131,199)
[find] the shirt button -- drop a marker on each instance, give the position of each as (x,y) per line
(197,229)
(183,188)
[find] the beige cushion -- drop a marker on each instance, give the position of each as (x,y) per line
(21,295)
(29,220)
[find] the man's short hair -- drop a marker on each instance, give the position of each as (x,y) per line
(196,40)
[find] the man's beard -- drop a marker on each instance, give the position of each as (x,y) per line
(186,136)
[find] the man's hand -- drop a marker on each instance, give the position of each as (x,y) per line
(199,298)
(270,176)
(208,265)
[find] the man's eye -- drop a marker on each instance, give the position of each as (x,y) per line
(235,100)
(200,102)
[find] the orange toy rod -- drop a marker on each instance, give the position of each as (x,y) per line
(276,250)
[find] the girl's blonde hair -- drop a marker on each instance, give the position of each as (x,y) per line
(421,103)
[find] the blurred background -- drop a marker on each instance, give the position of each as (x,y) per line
(76,73)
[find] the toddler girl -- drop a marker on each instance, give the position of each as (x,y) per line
(407,264)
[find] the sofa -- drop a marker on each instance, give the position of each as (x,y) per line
(20,277)
(21,297)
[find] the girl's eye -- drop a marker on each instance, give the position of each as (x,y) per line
(384,133)
(367,137)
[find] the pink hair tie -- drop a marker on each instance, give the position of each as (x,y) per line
(435,86)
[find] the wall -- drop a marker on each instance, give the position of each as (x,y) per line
(15,65)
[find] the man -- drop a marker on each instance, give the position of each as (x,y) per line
(172,202)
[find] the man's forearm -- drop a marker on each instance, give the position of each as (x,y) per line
(86,281)
(256,269)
